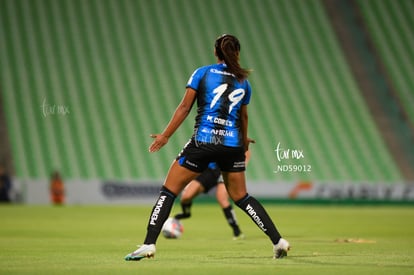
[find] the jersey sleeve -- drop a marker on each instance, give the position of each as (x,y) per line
(195,78)
(246,99)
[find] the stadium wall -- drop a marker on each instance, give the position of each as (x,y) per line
(145,192)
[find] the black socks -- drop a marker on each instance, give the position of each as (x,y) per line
(248,204)
(186,207)
(231,219)
(258,214)
(159,215)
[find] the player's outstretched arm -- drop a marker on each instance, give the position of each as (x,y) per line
(178,117)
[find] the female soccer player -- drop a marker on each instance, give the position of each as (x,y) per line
(209,179)
(222,92)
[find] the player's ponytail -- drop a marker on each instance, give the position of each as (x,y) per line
(228,49)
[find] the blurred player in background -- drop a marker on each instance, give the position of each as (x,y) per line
(209,179)
(5,185)
(222,92)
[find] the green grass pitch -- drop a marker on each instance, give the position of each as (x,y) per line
(94,240)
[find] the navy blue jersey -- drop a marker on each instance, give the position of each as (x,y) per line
(219,99)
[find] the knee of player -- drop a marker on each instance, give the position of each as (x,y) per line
(223,202)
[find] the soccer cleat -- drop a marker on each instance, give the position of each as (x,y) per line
(182,216)
(239,237)
(281,248)
(143,251)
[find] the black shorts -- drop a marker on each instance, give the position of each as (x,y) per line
(196,157)
(209,178)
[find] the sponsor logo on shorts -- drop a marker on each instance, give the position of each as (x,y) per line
(192,164)
(239,164)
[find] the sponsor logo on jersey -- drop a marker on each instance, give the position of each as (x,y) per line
(219,132)
(215,71)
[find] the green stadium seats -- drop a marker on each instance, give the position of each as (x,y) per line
(85,82)
(390,24)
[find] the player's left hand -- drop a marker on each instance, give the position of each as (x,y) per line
(247,143)
(158,143)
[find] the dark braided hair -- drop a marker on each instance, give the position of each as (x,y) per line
(227,49)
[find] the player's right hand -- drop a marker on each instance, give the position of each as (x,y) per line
(158,143)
